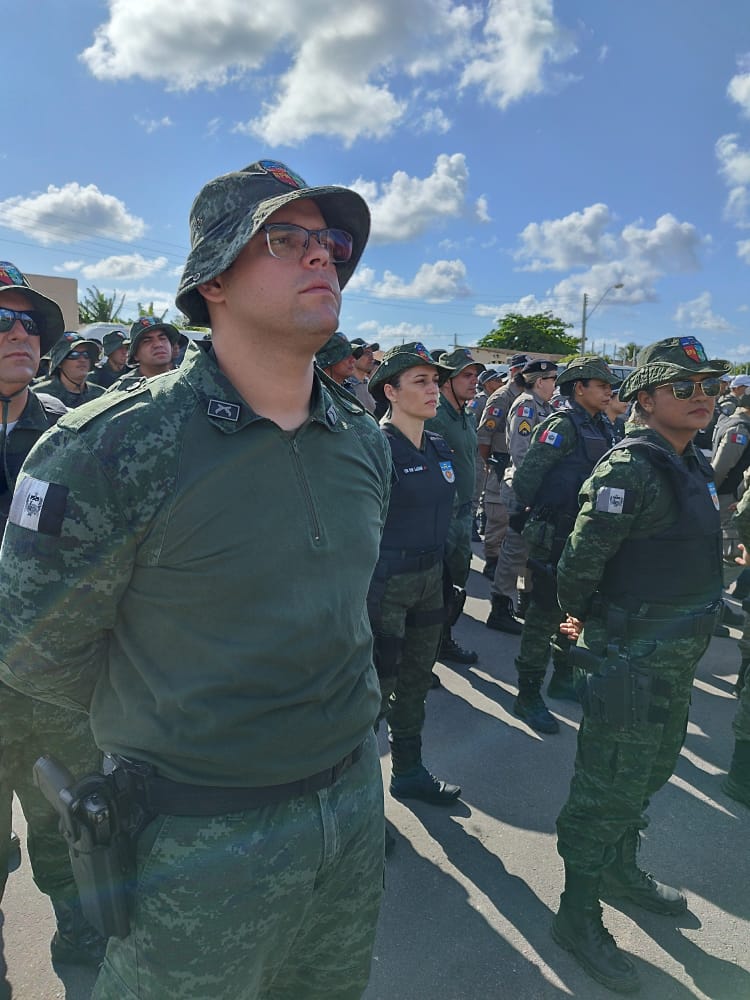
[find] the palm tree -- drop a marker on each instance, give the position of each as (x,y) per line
(96,307)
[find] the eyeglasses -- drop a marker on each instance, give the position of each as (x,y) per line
(8,318)
(289,242)
(546,378)
(74,355)
(686,388)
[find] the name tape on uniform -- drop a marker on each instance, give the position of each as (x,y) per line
(39,506)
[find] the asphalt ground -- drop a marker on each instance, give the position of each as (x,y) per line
(471,889)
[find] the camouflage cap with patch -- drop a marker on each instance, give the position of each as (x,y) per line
(335,349)
(114,339)
(231,209)
(404,356)
(587,366)
(47,313)
(142,325)
(669,360)
(459,359)
(71,341)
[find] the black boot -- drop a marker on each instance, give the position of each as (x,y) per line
(579,929)
(623,879)
(524,599)
(75,942)
(529,705)
(390,841)
(737,782)
(741,677)
(501,616)
(412,780)
(451,652)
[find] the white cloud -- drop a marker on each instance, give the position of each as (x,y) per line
(738,89)
(482,209)
(575,240)
(734,167)
(405,207)
(70,213)
(527,305)
(68,265)
(743,250)
(435,120)
(152,124)
(522,38)
(698,315)
(439,282)
(162,300)
(125,267)
(388,335)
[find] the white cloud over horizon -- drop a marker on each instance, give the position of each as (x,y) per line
(440,281)
(698,314)
(70,213)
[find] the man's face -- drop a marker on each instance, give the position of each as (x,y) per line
(739,390)
(154,350)
(464,384)
(19,351)
(117,358)
(76,369)
(295,300)
(342,369)
(365,362)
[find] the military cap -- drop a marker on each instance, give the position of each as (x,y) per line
(71,341)
(398,359)
(359,346)
(538,367)
(112,340)
(144,324)
(488,374)
(335,349)
(459,359)
(669,360)
(47,313)
(587,366)
(518,361)
(231,209)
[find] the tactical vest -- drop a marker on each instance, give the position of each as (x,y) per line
(562,484)
(681,564)
(422,490)
(15,448)
(734,477)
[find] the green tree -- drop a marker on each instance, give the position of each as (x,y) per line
(542,333)
(150,311)
(96,307)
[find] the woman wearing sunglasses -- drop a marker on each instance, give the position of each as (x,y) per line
(640,580)
(71,360)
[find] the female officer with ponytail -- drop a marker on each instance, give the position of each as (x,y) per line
(405,601)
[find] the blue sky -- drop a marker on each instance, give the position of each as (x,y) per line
(515,153)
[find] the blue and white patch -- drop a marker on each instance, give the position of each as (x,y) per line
(223,410)
(551,437)
(39,506)
(738,438)
(714,494)
(525,411)
(448,474)
(613,500)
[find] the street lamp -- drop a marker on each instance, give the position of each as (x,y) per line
(587,312)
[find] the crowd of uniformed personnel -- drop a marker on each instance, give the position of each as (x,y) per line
(603,541)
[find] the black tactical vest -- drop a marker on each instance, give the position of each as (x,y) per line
(562,484)
(423,485)
(681,564)
(734,477)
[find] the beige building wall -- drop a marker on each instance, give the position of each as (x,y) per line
(63,291)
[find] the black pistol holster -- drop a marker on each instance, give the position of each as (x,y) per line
(617,693)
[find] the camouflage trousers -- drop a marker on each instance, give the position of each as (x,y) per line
(275,903)
(458,547)
(618,770)
(405,677)
(31,728)
(540,631)
(741,724)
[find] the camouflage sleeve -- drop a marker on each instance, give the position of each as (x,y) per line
(617,501)
(66,558)
(729,451)
(551,441)
(742,519)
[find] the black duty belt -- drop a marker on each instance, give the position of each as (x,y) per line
(161,796)
(409,561)
(625,625)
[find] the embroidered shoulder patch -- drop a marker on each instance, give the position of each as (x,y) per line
(714,494)
(525,411)
(524,428)
(738,438)
(448,474)
(613,500)
(551,437)
(39,506)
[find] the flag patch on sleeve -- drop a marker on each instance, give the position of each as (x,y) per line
(39,506)
(525,411)
(551,437)
(613,500)
(738,438)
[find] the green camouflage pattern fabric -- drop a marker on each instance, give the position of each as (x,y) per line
(335,349)
(153,598)
(258,904)
(586,366)
(618,770)
(459,359)
(232,208)
(48,313)
(402,357)
(403,695)
(54,387)
(540,633)
(667,360)
(71,342)
(741,724)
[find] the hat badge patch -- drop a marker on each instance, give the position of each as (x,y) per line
(421,350)
(693,348)
(10,275)
(282,173)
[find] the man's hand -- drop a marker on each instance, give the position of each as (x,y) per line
(572,627)
(744,559)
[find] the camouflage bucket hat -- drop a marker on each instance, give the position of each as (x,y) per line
(47,313)
(114,339)
(588,366)
(72,342)
(335,349)
(231,209)
(398,359)
(669,360)
(458,360)
(142,325)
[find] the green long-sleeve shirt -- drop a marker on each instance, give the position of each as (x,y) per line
(196,577)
